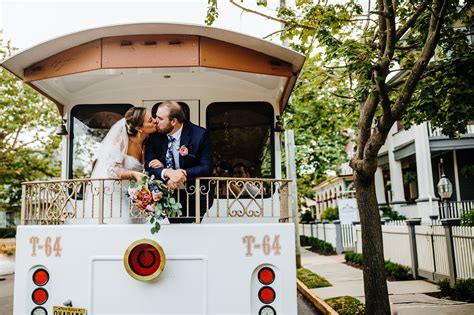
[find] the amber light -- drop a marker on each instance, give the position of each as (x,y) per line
(144,260)
(40,277)
(266,275)
(40,296)
(266,295)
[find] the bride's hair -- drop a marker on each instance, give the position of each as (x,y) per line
(134,118)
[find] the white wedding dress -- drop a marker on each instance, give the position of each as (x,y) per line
(112,160)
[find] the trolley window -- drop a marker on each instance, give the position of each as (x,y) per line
(88,126)
(242,137)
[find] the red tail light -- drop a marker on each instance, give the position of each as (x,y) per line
(40,296)
(40,277)
(266,295)
(144,260)
(266,275)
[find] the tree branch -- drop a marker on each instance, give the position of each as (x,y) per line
(342,96)
(269,16)
(271,34)
(391,32)
(411,20)
(436,21)
(382,27)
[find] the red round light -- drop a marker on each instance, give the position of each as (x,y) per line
(266,275)
(40,277)
(266,295)
(144,259)
(40,296)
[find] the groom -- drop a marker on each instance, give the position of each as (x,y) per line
(185,149)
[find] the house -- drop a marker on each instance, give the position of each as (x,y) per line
(411,164)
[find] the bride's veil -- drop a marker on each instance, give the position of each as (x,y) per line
(111,152)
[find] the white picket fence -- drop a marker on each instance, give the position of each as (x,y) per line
(433,254)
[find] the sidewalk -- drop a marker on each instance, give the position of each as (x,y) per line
(406,297)
(7,264)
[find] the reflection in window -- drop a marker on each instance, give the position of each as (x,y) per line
(90,124)
(241,133)
(183,105)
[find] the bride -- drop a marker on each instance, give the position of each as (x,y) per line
(121,156)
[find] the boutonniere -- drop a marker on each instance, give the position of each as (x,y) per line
(183,150)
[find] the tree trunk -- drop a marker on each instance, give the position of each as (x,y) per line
(375,280)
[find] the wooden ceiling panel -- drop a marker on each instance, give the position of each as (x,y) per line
(145,51)
(81,58)
(222,55)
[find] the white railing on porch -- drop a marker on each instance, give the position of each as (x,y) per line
(436,132)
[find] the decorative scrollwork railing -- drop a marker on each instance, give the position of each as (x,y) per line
(99,201)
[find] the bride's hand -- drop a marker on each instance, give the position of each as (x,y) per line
(155,163)
(138,175)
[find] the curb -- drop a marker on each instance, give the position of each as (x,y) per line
(317,302)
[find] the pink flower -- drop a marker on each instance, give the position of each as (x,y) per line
(183,150)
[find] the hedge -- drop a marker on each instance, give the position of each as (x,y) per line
(9,232)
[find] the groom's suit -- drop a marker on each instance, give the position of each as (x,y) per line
(197,163)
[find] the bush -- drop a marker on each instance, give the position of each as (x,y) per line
(444,287)
(463,290)
(9,232)
(317,245)
(304,240)
(330,214)
(354,257)
(467,219)
(311,280)
(391,214)
(399,272)
(307,217)
(347,305)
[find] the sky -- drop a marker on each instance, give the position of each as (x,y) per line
(27,22)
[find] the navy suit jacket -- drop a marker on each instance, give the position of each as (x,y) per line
(198,162)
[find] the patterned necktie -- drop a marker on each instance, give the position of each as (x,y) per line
(169,153)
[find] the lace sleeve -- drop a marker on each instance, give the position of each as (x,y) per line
(114,163)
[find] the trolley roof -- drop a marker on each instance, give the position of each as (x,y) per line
(96,51)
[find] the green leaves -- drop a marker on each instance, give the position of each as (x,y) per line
(28,145)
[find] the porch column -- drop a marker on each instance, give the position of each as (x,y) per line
(456,176)
(396,176)
(379,187)
(427,200)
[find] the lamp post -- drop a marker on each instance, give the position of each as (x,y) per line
(445,190)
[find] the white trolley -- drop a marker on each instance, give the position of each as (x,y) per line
(76,253)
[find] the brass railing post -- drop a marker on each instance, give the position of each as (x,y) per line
(23,203)
(101,201)
(197,206)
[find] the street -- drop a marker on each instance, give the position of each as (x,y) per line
(6,299)
(6,295)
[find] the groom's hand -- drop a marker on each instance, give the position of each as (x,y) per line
(155,164)
(178,176)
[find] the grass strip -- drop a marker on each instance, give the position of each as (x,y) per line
(310,279)
(346,305)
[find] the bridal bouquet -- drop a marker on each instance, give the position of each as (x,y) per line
(152,197)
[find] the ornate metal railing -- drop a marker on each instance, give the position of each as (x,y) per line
(103,201)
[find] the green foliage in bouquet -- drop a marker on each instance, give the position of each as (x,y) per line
(153,198)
